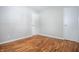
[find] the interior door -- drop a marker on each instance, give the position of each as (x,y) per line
(35,22)
(71,23)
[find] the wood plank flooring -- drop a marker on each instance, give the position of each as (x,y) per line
(40,43)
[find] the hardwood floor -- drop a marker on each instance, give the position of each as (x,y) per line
(40,43)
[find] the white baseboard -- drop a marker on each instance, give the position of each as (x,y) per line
(30,36)
(58,37)
(72,39)
(51,36)
(16,39)
(38,34)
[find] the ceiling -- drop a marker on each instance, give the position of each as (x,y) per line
(41,8)
(38,8)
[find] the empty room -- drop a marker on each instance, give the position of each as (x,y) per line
(39,29)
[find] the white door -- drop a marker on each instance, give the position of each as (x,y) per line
(35,21)
(71,23)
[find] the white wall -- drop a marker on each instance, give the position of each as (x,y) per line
(71,23)
(51,21)
(18,22)
(15,22)
(78,24)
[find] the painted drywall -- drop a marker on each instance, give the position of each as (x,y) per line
(51,21)
(18,22)
(78,22)
(71,31)
(15,22)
